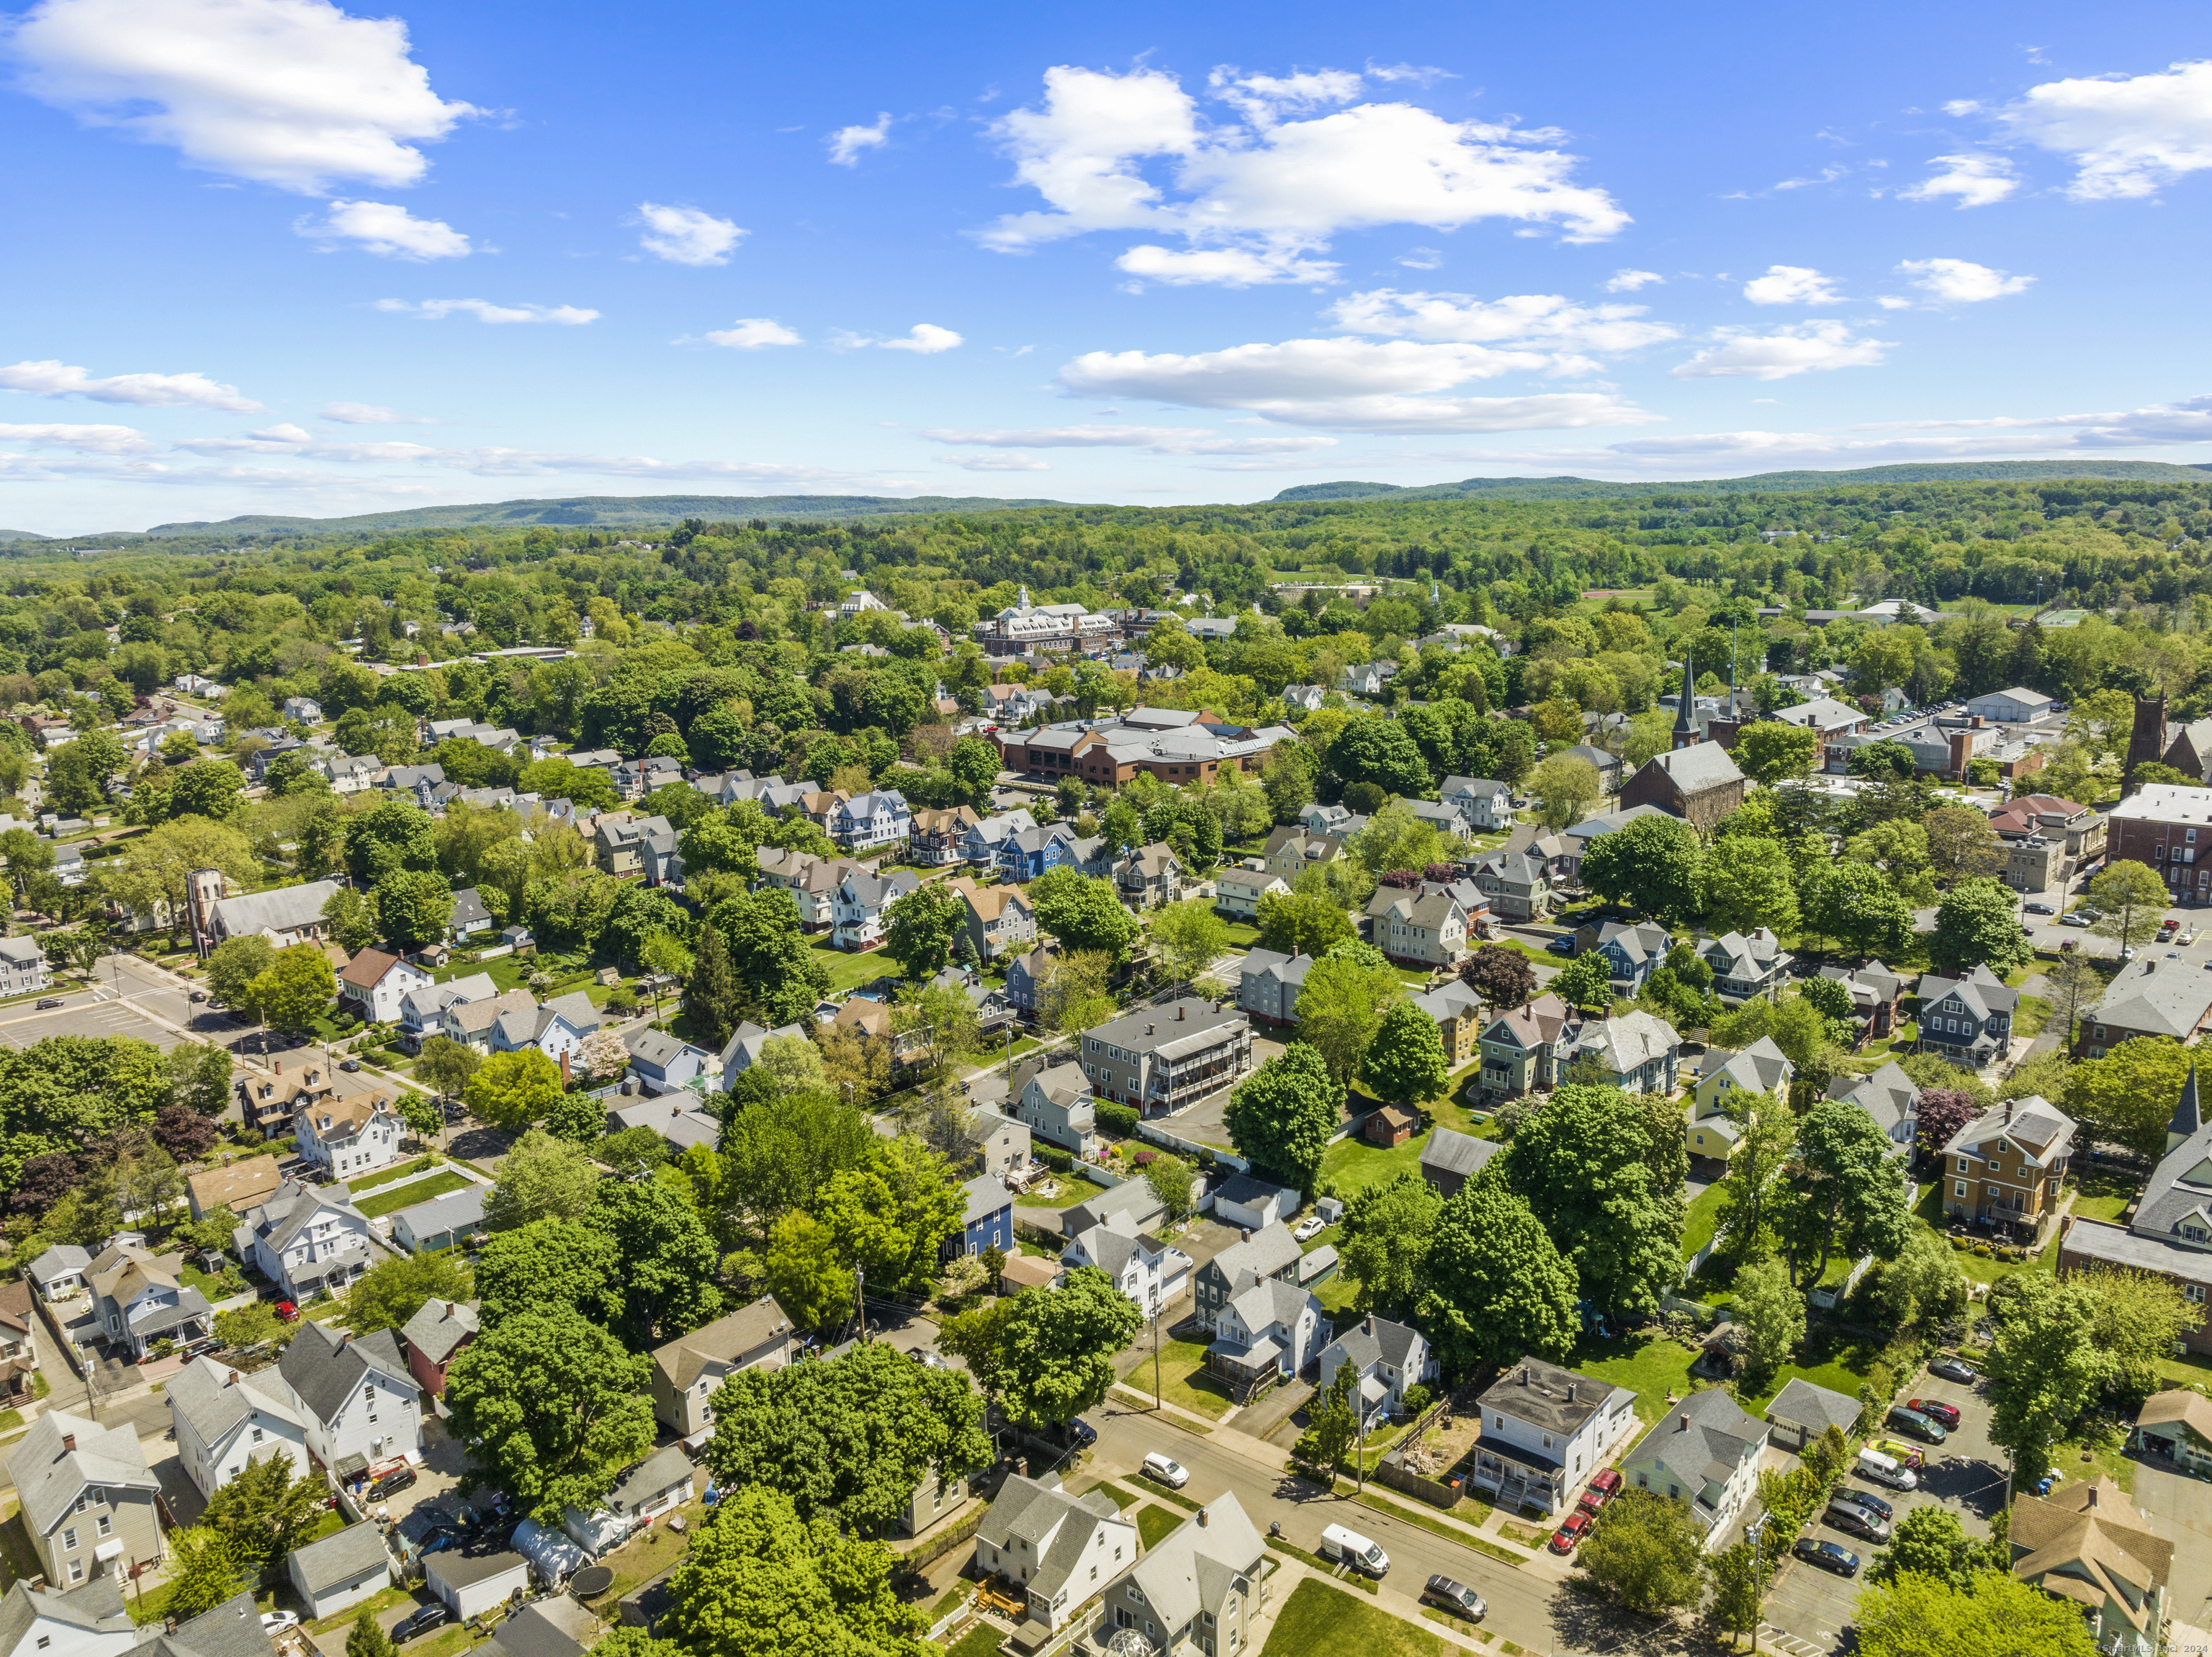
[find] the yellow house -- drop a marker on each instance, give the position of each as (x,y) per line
(1458,1013)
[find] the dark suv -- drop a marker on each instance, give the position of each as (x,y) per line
(421,1621)
(1913,1424)
(397,1479)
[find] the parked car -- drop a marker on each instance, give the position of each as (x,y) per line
(199,995)
(47,1004)
(1167,1470)
(1913,1424)
(1951,1369)
(1855,1520)
(277,1622)
(1083,1432)
(1602,1489)
(1867,1500)
(1455,1597)
(2037,909)
(1828,1556)
(420,1621)
(1946,1413)
(1340,1545)
(2077,918)
(392,1483)
(1904,1454)
(288,1311)
(1312,1226)
(348,1064)
(1572,1529)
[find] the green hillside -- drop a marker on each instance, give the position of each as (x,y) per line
(1592,489)
(605,510)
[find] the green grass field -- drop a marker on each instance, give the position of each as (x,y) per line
(1155,1524)
(1829,1361)
(1353,1165)
(1072,1190)
(1697,1224)
(385,1176)
(1650,1365)
(1319,1619)
(396,1197)
(1183,1379)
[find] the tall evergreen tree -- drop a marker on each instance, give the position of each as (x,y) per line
(711,999)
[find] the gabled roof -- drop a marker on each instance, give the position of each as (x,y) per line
(48,1478)
(236,1186)
(339,1558)
(1376,1340)
(2180,1406)
(1804,1405)
(1625,1043)
(1195,1565)
(2084,1542)
(438,1328)
(324,1367)
(1530,1026)
(1262,1254)
(2170,999)
(1758,1069)
(724,1341)
(2035,1128)
(95,1608)
(1705,1435)
(1702,765)
(1981,991)
(1889,1095)
(1449,999)
(215,1398)
(2180,1187)
(1449,1151)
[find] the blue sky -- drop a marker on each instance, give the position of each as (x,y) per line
(278,256)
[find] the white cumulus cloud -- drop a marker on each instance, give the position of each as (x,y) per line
(1349,384)
(384,228)
(1226,267)
(1960,281)
(437,310)
(751,333)
(1808,346)
(1627,280)
(686,235)
(295,93)
(1298,163)
(2126,135)
(996,462)
(368,414)
(1792,284)
(81,439)
(1154,440)
(1531,322)
(153,391)
(1974,178)
(847,143)
(924,339)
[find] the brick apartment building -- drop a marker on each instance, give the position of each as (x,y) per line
(2167,826)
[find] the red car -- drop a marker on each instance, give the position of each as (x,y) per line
(1576,1527)
(1602,1489)
(1946,1413)
(288,1311)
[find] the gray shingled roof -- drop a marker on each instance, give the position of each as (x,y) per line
(2180,1187)
(2169,1000)
(1703,1435)
(1375,1340)
(436,1335)
(1262,1254)
(202,1394)
(96,1608)
(1803,1404)
(1705,765)
(339,1558)
(284,910)
(322,1368)
(47,1478)
(1030,1511)
(1450,1151)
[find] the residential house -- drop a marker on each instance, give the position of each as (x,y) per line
(642,1492)
(1092,856)
(304,709)
(1148,877)
(1517,884)
(1250,1203)
(86,1498)
(1762,1068)
(1164,1058)
(1451,1158)
(1521,1049)
(1055,1547)
(1027,853)
(19,1346)
(1636,1052)
(236,1185)
(937,838)
(1487,806)
(1698,783)
(433,1337)
(1270,1254)
(995,1144)
(1418,928)
(1025,975)
(1056,1106)
(1367,679)
(23,965)
(1306,698)
(661,1063)
(138,1299)
(1545,1432)
(2008,1165)
(1457,1011)
(511,1022)
(2176,1426)
(1151,1272)
(58,1274)
(2171,1235)
(1265,1333)
(1802,1413)
(1969,1019)
(1575,840)
(1200,1592)
(743,1051)
(1607,766)
(90,1621)
(1890,1097)
(1633,950)
(1269,985)
(1440,815)
(811,881)
(1746,966)
(268,1105)
(856,909)
(306,1238)
(373,985)
(867,821)
(1874,990)
(632,848)
(687,1370)
(1290,851)
(1340,821)
(2085,1543)
(417,780)
(983,837)
(2153,997)
(987,1222)
(1703,1454)
(340,1570)
(222,1420)
(354,774)
(349,1136)
(1239,886)
(999,921)
(361,1403)
(443,1222)
(470,915)
(1386,1359)
(871,1020)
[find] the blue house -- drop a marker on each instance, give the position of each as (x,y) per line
(1025,855)
(1632,951)
(990,1219)
(660,1062)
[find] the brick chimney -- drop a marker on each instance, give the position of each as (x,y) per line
(566,1080)
(1686,1424)
(69,1443)
(2091,1494)
(1202,1519)
(234,1377)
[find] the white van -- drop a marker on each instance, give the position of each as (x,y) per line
(1340,1547)
(1885,1469)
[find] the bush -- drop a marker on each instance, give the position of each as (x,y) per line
(1120,1120)
(1416,1400)
(1053,1157)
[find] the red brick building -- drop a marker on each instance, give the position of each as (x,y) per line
(2167,826)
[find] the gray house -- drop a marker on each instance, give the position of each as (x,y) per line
(443,1222)
(87,1498)
(1268,985)
(1269,1253)
(1802,1412)
(1451,1158)
(1386,1357)
(1969,1019)
(342,1569)
(1056,1106)
(686,1371)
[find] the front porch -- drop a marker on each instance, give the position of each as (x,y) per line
(1517,1476)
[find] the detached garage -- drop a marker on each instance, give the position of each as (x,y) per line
(342,1569)
(1802,1412)
(1252,1204)
(470,1581)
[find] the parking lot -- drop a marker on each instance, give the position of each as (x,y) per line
(1809,1606)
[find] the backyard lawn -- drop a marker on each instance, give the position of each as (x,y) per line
(1155,1524)
(1072,1191)
(406,1196)
(385,1176)
(1699,1222)
(1928,1210)
(1183,1379)
(1353,1163)
(1651,1365)
(1829,1361)
(1318,1618)
(848,971)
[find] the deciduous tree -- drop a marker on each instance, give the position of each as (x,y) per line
(1302,924)
(1648,1552)
(2131,900)
(1491,1287)
(513,1089)
(1978,924)
(1992,1616)
(1385,1238)
(1501,976)
(1083,913)
(1060,1346)
(398,1287)
(919,927)
(1406,1062)
(1341,1004)
(267,1508)
(1844,1189)
(1280,1118)
(1750,882)
(1770,1311)
(1772,750)
(540,1178)
(1583,1160)
(665,1261)
(1651,865)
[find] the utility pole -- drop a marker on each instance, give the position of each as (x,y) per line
(861,1300)
(1156,1354)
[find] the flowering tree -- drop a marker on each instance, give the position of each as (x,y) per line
(605,1055)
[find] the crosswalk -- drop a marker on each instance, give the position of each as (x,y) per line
(1769,1635)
